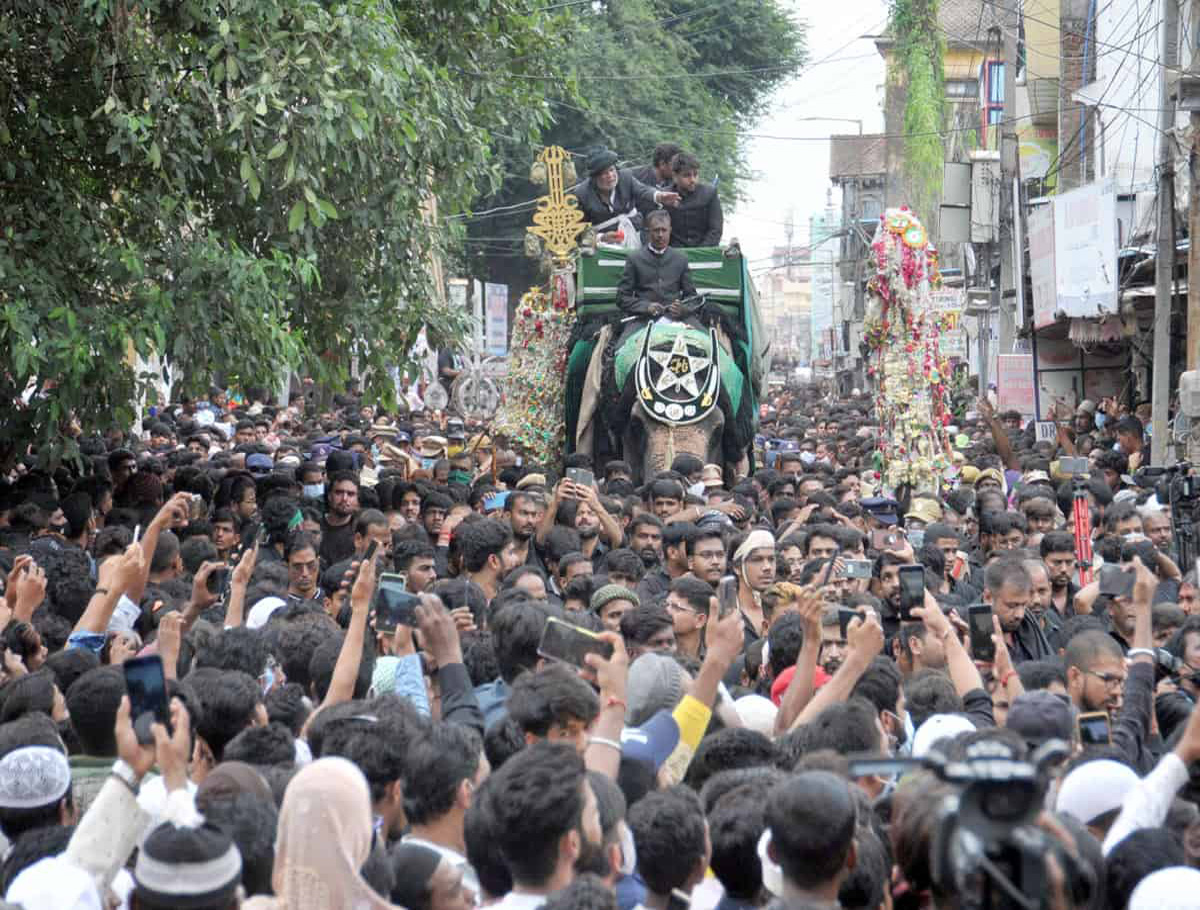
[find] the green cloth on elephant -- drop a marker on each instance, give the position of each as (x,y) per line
(627,356)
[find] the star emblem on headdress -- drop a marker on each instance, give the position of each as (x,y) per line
(678,368)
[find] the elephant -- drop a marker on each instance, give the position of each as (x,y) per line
(662,390)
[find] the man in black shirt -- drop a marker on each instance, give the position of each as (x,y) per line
(659,174)
(697,220)
(337,527)
(656,277)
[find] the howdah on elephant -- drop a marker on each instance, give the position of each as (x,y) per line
(660,388)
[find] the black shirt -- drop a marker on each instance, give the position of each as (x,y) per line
(337,543)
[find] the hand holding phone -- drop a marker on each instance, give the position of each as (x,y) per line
(1094,729)
(394,606)
(979,622)
(912,591)
(571,644)
(147,687)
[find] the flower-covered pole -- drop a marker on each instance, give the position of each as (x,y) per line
(532,415)
(913,405)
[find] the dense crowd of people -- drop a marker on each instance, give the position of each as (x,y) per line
(609,691)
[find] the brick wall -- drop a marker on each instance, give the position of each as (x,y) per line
(1073,29)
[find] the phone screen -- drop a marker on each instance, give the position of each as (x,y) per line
(394,606)
(1094,729)
(727,597)
(979,620)
(885,539)
(845,614)
(581,476)
(217,580)
(912,590)
(858,568)
(570,644)
(147,688)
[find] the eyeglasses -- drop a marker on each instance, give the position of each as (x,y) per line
(1110,680)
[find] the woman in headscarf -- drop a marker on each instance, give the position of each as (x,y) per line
(324,838)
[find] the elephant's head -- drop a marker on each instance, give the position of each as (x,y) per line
(657,444)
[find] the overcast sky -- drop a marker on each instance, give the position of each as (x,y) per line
(844,78)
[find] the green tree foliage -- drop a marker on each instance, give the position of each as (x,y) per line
(239,186)
(920,50)
(695,72)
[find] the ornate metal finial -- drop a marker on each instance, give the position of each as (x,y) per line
(558,220)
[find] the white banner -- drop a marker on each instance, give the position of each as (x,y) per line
(1085,251)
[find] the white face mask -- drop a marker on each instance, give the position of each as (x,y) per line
(772,874)
(314,490)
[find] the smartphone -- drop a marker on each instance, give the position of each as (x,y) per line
(394,606)
(828,571)
(147,687)
(912,591)
(581,476)
(494,502)
(217,580)
(845,614)
(1116,582)
(263,535)
(916,537)
(137,533)
(886,539)
(859,568)
(570,644)
(727,595)
(1074,465)
(1094,729)
(369,555)
(979,622)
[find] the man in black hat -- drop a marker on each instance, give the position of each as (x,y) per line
(609,192)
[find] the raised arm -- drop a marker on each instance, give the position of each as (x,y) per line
(118,574)
(865,639)
(1003,446)
(345,671)
(800,690)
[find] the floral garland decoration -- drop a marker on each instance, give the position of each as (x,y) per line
(532,415)
(903,330)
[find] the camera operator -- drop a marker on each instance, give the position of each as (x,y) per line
(1098,681)
(1176,697)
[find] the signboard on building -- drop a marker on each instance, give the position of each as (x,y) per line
(953,344)
(1041,264)
(496,318)
(1085,250)
(1014,383)
(946,299)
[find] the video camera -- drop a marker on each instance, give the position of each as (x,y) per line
(986,849)
(1175,487)
(1171,484)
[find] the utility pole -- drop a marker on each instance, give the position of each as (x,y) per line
(1010,172)
(1165,257)
(1193,302)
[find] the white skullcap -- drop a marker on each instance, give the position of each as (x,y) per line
(54,884)
(938,727)
(757,713)
(1173,888)
(1094,788)
(261,611)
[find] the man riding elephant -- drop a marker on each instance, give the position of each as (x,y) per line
(656,279)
